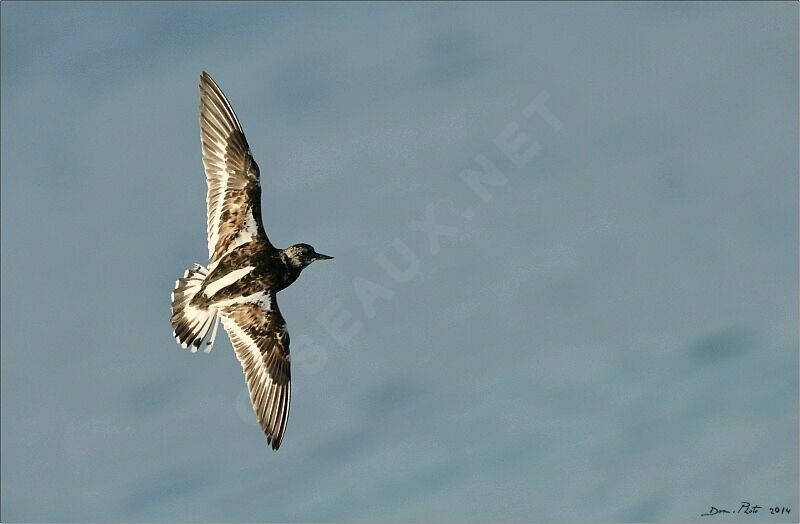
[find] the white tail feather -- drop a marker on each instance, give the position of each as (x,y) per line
(213,337)
(190,322)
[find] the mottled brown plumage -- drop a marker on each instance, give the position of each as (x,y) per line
(245,270)
(267,371)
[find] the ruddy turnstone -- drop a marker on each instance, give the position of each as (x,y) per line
(245,271)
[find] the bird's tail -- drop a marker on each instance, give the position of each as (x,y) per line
(191,322)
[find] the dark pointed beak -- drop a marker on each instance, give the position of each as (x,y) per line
(320,256)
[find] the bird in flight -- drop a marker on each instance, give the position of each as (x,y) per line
(245,271)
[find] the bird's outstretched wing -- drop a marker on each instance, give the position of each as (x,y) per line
(259,337)
(234,190)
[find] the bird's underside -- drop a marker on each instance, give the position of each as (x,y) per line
(237,287)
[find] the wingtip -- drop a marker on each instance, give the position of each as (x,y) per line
(205,79)
(273,443)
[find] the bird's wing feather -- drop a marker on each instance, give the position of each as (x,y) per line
(259,337)
(234,189)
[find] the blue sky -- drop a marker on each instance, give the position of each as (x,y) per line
(605,332)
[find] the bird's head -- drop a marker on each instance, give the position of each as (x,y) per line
(301,255)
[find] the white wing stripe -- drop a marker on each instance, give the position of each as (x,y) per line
(231,278)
